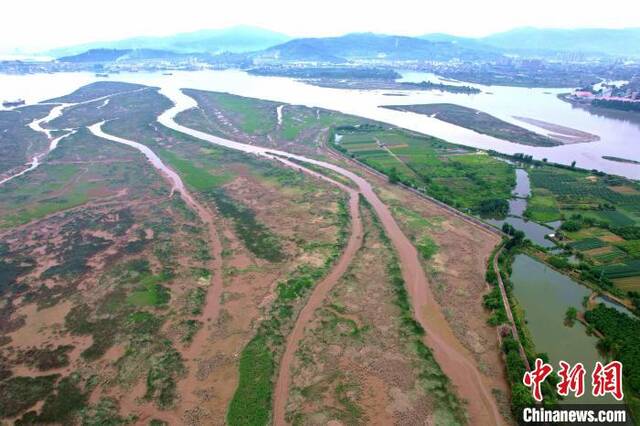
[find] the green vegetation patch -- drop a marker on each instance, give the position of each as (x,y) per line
(149,291)
(60,407)
(11,268)
(542,207)
(143,323)
(188,329)
(46,358)
(73,260)
(104,413)
(587,244)
(628,232)
(197,177)
(426,247)
(456,175)
(103,330)
(621,341)
(250,116)
(480,122)
(256,237)
(251,404)
(632,248)
(20,393)
(252,400)
(161,377)
(195,300)
(630,268)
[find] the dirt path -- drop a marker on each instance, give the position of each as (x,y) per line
(507,308)
(454,359)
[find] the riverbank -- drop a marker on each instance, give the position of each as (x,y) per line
(480,122)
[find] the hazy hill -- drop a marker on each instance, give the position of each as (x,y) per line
(122,55)
(249,42)
(371,46)
(466,42)
(618,42)
(96,55)
(234,39)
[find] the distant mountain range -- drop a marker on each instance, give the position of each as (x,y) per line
(372,46)
(622,42)
(264,45)
(602,41)
(114,55)
(234,39)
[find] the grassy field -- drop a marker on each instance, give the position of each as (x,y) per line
(464,178)
(542,207)
(251,117)
(300,131)
(198,177)
(61,184)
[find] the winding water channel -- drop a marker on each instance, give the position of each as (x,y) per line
(455,360)
(618,137)
(543,293)
(37,126)
(517,205)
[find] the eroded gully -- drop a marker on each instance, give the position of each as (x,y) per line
(454,359)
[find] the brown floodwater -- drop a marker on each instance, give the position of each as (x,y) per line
(454,359)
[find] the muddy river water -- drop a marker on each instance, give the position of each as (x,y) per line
(455,360)
(618,138)
(543,293)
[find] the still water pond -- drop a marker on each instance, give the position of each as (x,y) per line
(545,295)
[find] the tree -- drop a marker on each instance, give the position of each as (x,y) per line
(573,164)
(520,398)
(393,175)
(570,316)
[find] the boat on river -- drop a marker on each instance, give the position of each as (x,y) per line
(11,104)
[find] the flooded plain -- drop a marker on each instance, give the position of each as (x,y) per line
(618,137)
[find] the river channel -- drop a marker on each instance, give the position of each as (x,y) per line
(619,138)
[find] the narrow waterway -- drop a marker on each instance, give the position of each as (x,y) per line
(211,307)
(517,205)
(455,360)
(317,297)
(36,126)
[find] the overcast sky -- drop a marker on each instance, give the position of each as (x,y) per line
(43,24)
